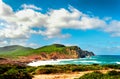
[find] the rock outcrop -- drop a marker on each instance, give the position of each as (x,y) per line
(75,50)
(59,51)
(54,51)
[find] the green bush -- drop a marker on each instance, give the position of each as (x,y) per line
(74,69)
(112,66)
(16,74)
(48,65)
(30,69)
(94,75)
(4,68)
(99,75)
(48,70)
(113,73)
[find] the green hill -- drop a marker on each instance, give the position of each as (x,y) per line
(45,52)
(14,50)
(51,48)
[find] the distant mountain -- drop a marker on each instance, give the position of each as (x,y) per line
(14,50)
(54,51)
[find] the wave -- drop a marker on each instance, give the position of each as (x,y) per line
(96,59)
(88,61)
(65,60)
(47,62)
(117,62)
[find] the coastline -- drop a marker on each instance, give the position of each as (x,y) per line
(47,62)
(98,59)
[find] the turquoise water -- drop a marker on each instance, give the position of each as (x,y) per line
(99,59)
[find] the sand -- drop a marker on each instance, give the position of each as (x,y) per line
(65,75)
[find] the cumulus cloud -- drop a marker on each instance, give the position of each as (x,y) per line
(25,6)
(113,28)
(22,43)
(20,24)
(73,19)
(3,43)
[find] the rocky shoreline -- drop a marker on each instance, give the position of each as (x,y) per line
(54,51)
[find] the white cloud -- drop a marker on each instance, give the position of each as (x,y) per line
(73,19)
(113,28)
(3,43)
(19,24)
(108,18)
(23,42)
(69,19)
(25,6)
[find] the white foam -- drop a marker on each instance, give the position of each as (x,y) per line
(39,63)
(88,61)
(59,61)
(47,62)
(64,59)
(118,62)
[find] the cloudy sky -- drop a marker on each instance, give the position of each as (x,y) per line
(93,25)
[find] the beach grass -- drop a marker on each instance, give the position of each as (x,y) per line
(28,71)
(99,75)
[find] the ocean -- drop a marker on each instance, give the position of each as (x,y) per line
(98,59)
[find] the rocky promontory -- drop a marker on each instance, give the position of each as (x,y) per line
(54,51)
(59,51)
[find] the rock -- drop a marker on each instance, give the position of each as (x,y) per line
(54,51)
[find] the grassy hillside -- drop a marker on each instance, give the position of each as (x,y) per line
(15,50)
(56,48)
(51,48)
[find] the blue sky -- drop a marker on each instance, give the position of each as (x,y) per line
(93,25)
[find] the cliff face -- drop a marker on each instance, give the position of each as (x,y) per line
(78,52)
(58,51)
(55,51)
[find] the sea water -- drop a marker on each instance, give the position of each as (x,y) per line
(98,59)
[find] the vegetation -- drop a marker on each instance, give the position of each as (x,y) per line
(26,72)
(112,66)
(52,48)
(14,72)
(15,50)
(98,75)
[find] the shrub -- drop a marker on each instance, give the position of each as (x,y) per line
(47,70)
(16,74)
(99,75)
(113,73)
(112,66)
(30,69)
(48,65)
(74,69)
(94,75)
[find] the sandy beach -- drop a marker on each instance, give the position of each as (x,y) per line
(66,75)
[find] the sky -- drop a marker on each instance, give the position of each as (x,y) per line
(93,25)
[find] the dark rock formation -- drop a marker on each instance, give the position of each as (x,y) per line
(54,51)
(79,52)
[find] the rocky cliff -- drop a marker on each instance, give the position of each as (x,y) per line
(54,51)
(79,52)
(58,51)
